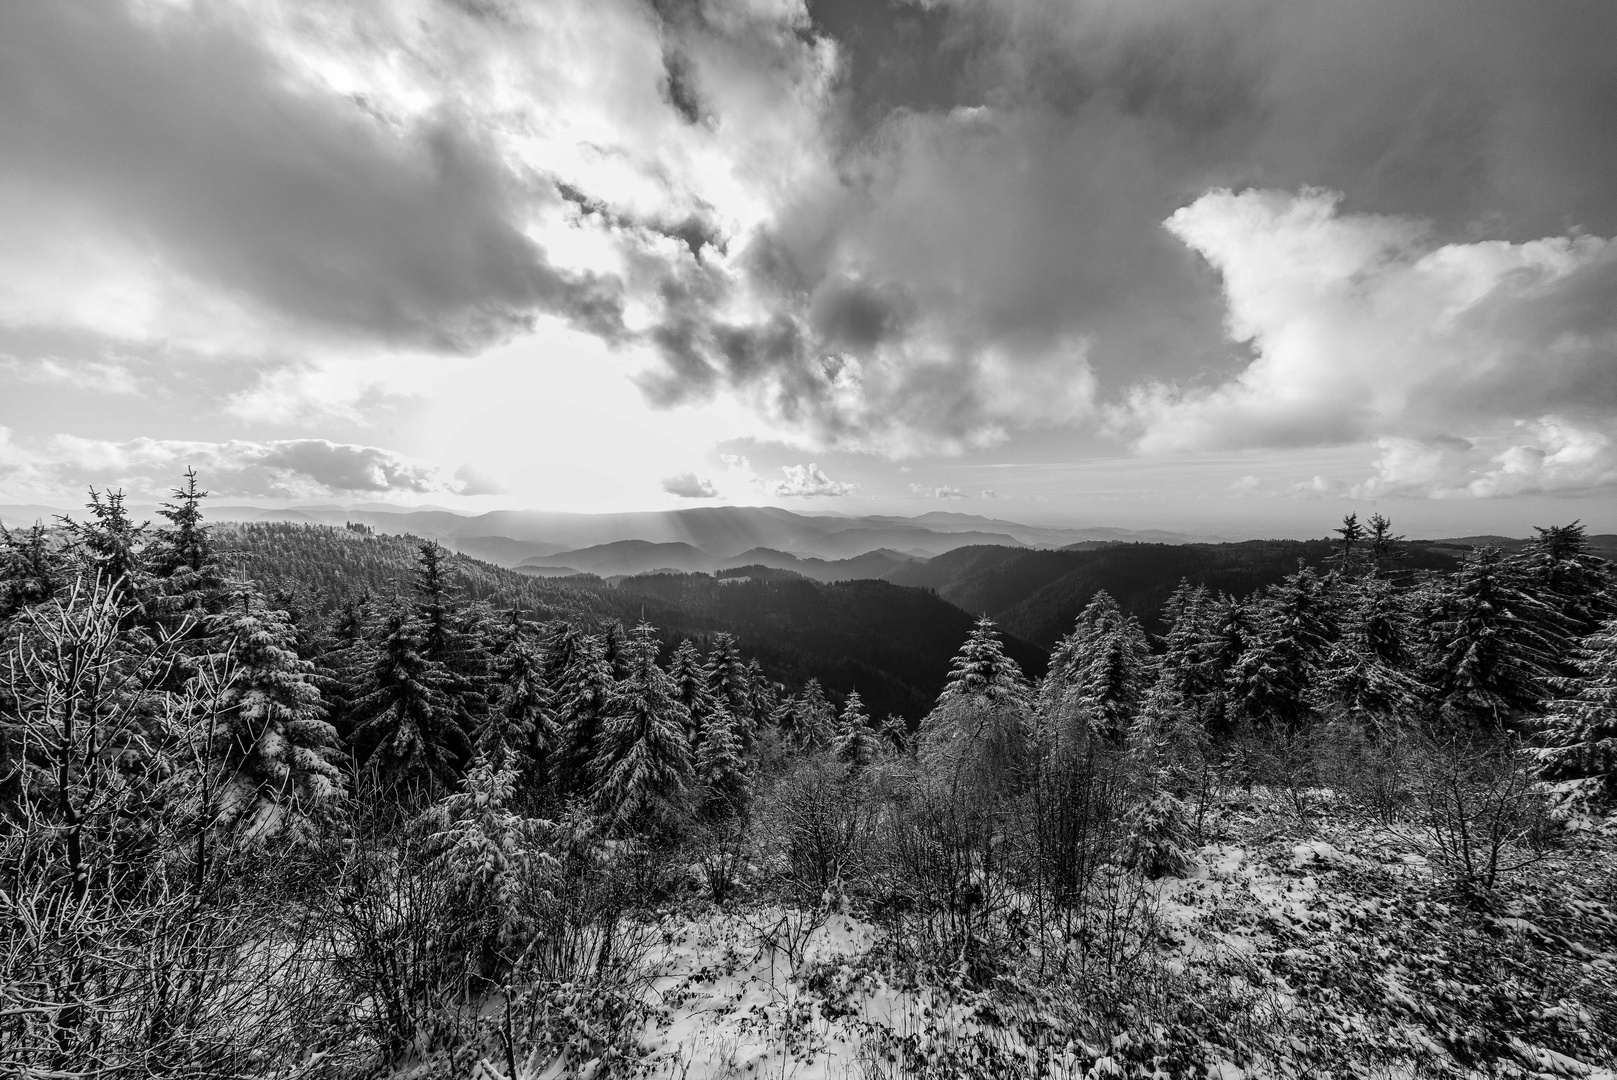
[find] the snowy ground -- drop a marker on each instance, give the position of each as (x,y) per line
(1330,950)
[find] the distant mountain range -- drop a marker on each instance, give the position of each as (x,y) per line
(719,534)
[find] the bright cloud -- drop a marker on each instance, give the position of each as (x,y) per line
(942,491)
(1364,328)
(807,481)
(689,486)
(146,468)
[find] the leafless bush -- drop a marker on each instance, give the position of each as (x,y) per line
(1481,815)
(813,827)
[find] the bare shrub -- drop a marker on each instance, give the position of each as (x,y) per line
(1480,814)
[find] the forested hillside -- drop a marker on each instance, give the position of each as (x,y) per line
(892,644)
(1037,594)
(1357,822)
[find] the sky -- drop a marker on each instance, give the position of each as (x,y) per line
(1231,266)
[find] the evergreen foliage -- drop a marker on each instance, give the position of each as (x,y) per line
(643,769)
(405,729)
(279,753)
(1579,731)
(858,742)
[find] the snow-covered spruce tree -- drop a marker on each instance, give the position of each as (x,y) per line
(582,687)
(1099,673)
(519,730)
(643,768)
(1493,647)
(857,743)
(1294,625)
(689,676)
(813,718)
(730,685)
(1578,758)
(1576,582)
(484,852)
(453,636)
(982,670)
(406,732)
(278,751)
(1369,672)
(982,722)
(724,789)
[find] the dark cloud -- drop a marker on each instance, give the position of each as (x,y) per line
(185,133)
(1006,167)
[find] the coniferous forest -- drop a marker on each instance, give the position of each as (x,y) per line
(272,807)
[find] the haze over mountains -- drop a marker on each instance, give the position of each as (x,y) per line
(705,538)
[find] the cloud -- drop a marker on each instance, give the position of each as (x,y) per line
(942,491)
(689,486)
(148,468)
(102,376)
(1366,327)
(807,481)
(1549,454)
(254,188)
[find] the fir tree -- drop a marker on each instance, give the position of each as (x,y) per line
(1579,732)
(730,685)
(1349,554)
(278,750)
(519,730)
(31,570)
(1099,672)
(1491,655)
(1575,581)
(1369,671)
(1385,547)
(110,544)
(582,688)
(813,718)
(689,676)
(858,742)
(1294,627)
(721,771)
(644,768)
(981,669)
(405,729)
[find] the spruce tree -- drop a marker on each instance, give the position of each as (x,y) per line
(982,670)
(1494,644)
(1369,672)
(405,728)
(1577,583)
(1579,731)
(31,570)
(1099,673)
(643,767)
(813,718)
(1294,627)
(582,689)
(111,546)
(858,742)
(721,769)
(279,752)
(730,685)
(689,676)
(519,730)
